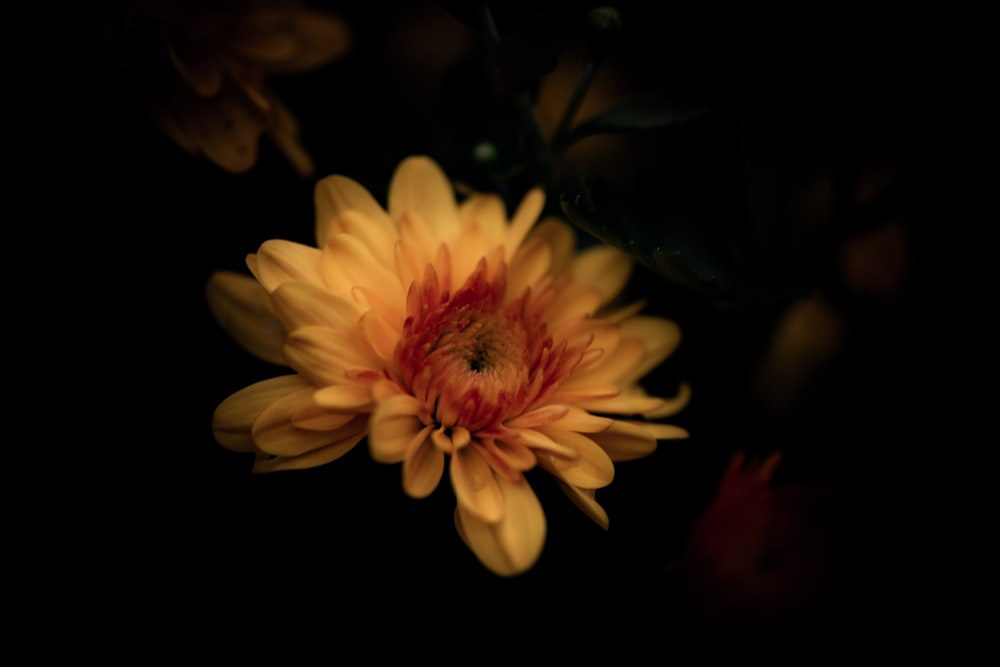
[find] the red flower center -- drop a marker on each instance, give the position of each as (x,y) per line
(472,359)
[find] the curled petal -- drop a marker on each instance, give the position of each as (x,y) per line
(394,425)
(312,459)
(512,545)
(475,485)
(234,418)
(538,440)
(624,441)
(423,466)
(591,468)
(508,459)
(243,309)
(274,433)
(671,406)
(586,500)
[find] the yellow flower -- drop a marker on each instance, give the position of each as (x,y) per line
(454,339)
(202,71)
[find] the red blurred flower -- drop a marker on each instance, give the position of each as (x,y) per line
(759,553)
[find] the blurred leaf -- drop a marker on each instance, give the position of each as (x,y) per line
(675,244)
(645,112)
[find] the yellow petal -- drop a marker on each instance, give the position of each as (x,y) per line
(394,424)
(660,431)
(488,212)
(316,457)
(277,262)
(660,337)
(274,433)
(561,240)
(591,468)
(537,417)
(604,267)
(380,335)
(324,355)
(348,264)
(347,397)
(587,502)
(378,240)
(234,418)
(243,309)
(578,419)
(512,545)
(528,267)
(617,362)
(623,404)
(523,219)
(307,304)
(337,194)
(671,406)
(573,303)
(419,237)
(313,417)
(625,442)
(579,393)
(475,485)
(420,186)
(423,466)
(468,249)
(509,458)
(538,440)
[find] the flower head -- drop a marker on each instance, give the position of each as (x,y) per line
(455,339)
(202,70)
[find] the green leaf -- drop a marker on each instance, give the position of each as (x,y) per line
(645,112)
(676,244)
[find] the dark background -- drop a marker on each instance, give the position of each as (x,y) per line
(177,538)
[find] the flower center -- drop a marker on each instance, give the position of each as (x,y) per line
(469,357)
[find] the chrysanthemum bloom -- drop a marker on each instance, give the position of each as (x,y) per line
(203,71)
(453,338)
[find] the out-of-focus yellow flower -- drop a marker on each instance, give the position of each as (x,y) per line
(454,338)
(202,70)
